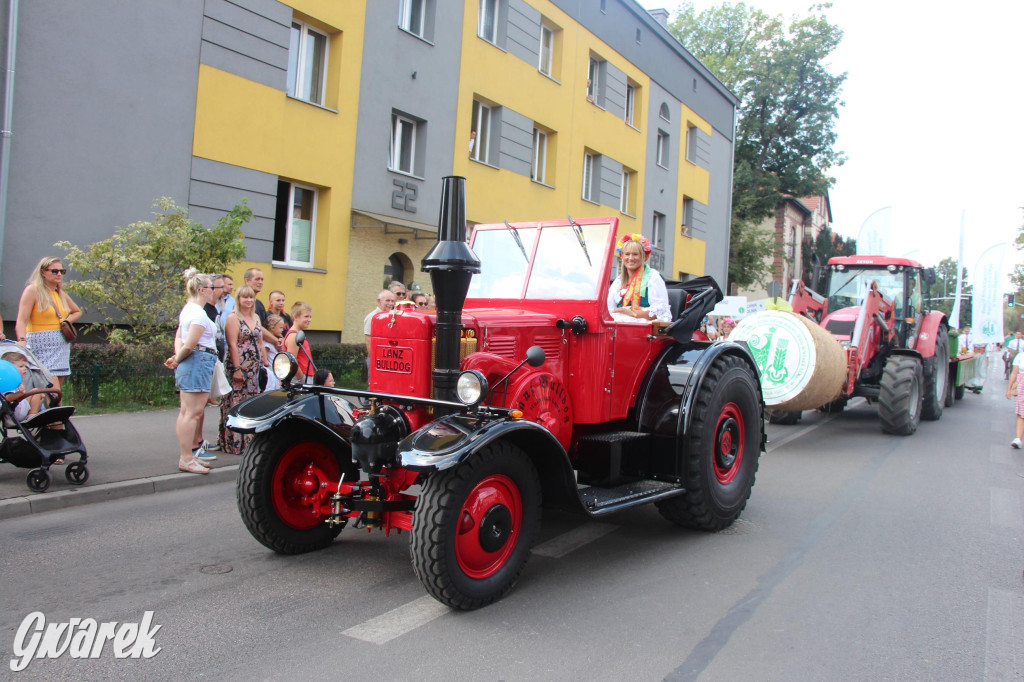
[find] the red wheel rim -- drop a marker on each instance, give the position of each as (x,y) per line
(728,443)
(488,528)
(296,480)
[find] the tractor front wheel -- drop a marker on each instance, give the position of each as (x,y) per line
(277,477)
(722,447)
(900,397)
(936,377)
(473,526)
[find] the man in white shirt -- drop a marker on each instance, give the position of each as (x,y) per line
(1013,347)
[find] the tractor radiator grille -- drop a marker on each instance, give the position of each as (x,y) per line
(552,346)
(505,346)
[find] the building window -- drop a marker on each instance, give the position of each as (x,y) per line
(688,216)
(594,71)
(547,49)
(487,27)
(639,36)
(480,137)
(658,231)
(411,16)
(663,157)
(538,170)
(664,113)
(691,144)
(295,224)
(403,144)
(307,63)
(588,176)
(626,193)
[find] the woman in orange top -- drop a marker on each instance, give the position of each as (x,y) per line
(44,304)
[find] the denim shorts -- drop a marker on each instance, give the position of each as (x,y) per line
(195,373)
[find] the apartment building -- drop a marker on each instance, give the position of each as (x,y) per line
(337,121)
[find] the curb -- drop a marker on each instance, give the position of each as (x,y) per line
(104,492)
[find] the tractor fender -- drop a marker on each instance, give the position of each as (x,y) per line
(453,438)
(330,414)
(928,333)
(667,396)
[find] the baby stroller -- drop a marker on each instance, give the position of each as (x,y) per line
(44,439)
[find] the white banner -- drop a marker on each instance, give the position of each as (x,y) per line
(731,306)
(873,238)
(987,311)
(954,315)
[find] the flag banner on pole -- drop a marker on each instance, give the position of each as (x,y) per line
(954,316)
(987,309)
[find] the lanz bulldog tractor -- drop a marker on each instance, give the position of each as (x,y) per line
(524,394)
(896,350)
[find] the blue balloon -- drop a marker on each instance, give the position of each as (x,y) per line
(10,377)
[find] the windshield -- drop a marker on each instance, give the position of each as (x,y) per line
(561,268)
(847,286)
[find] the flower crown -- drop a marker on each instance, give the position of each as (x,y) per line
(644,242)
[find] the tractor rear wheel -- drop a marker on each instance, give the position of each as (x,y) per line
(950,380)
(277,474)
(721,449)
(900,398)
(936,377)
(474,525)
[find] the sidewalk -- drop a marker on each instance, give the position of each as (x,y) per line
(131,453)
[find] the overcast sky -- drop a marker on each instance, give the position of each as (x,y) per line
(932,121)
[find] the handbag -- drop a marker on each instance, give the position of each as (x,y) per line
(221,386)
(68,330)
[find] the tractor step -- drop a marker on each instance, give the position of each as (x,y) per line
(598,501)
(608,459)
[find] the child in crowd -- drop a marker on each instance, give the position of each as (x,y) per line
(323,377)
(302,317)
(275,325)
(32,404)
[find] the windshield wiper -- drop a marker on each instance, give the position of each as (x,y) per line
(515,235)
(579,237)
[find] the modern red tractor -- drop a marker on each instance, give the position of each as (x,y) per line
(897,351)
(524,394)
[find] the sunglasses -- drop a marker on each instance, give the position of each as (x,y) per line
(60,271)
(399,294)
(421,304)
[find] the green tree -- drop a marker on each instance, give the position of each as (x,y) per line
(133,279)
(826,245)
(941,295)
(788,106)
(749,252)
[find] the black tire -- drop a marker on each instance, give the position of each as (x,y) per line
(936,377)
(834,407)
(721,449)
(76,473)
(467,556)
(269,507)
(787,418)
(950,389)
(959,392)
(901,395)
(38,480)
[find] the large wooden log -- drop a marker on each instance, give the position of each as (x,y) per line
(802,366)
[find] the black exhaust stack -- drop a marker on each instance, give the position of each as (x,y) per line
(451,264)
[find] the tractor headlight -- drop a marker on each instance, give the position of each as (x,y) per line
(471,388)
(285,367)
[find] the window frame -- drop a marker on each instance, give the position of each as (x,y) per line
(658,223)
(588,177)
(395,153)
(482,147)
(405,16)
(691,144)
(593,75)
(661,153)
(288,228)
(624,187)
(630,113)
(550,32)
(494,7)
(539,162)
(296,75)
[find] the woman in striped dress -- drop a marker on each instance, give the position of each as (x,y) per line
(44,304)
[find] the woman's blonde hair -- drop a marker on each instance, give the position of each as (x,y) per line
(300,307)
(36,281)
(194,281)
(245,290)
(623,275)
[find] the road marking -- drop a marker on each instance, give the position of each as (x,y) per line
(1005,508)
(559,546)
(1004,630)
(397,622)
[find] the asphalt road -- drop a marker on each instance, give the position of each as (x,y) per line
(860,556)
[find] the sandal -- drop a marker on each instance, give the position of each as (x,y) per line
(192,467)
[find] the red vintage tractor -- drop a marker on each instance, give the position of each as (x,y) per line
(525,394)
(897,351)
